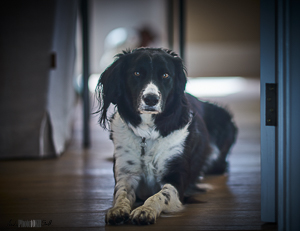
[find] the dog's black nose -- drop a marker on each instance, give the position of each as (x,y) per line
(151,99)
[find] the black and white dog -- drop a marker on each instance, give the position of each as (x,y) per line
(164,139)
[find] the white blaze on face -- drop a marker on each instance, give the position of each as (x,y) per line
(150,89)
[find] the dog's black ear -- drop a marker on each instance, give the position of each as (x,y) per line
(181,79)
(180,72)
(108,89)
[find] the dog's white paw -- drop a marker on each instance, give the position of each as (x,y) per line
(143,215)
(117,215)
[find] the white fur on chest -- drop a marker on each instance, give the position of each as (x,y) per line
(128,150)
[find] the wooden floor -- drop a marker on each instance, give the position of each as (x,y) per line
(74,191)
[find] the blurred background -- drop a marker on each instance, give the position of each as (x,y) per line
(222,37)
(42,46)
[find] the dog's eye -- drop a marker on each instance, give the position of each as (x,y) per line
(166,75)
(137,73)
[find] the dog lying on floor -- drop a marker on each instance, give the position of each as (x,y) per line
(164,138)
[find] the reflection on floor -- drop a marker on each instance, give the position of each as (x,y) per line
(75,190)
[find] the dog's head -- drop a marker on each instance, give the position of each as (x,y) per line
(142,81)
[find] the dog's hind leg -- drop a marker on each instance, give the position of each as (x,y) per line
(166,200)
(124,198)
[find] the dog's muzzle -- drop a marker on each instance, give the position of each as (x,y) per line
(150,102)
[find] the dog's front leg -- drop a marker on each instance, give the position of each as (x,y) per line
(166,200)
(124,198)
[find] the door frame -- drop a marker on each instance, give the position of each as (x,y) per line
(280,145)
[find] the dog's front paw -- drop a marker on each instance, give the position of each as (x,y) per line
(143,215)
(117,215)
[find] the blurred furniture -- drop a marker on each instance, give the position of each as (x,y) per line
(36,77)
